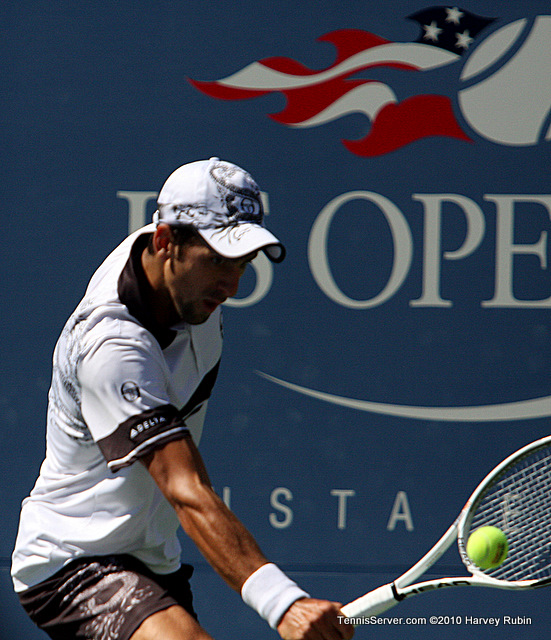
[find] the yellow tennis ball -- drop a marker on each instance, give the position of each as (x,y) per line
(487,547)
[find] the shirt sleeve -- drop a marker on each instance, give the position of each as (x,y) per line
(125,399)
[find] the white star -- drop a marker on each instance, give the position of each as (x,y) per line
(463,40)
(454,15)
(432,31)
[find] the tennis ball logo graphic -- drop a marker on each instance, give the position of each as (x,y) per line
(487,547)
(506,94)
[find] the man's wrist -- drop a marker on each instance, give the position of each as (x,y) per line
(270,593)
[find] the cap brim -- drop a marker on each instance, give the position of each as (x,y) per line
(239,240)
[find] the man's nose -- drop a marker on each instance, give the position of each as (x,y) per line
(229,281)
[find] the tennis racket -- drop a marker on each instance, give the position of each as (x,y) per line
(516,497)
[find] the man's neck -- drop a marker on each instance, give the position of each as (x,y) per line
(162,307)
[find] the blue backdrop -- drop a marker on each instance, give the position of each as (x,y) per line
(401,350)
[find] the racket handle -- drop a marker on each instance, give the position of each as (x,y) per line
(372,604)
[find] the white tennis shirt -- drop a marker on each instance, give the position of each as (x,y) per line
(121,387)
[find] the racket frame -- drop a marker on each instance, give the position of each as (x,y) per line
(383,598)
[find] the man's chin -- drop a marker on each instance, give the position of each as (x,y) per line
(198,320)
(192,315)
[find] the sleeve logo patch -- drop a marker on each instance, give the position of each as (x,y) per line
(130,391)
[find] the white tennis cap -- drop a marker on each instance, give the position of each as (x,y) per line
(222,201)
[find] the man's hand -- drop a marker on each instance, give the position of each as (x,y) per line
(310,619)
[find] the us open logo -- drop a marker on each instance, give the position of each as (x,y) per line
(479,81)
(498,76)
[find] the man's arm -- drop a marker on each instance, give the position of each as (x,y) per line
(180,473)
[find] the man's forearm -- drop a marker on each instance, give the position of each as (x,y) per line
(220,536)
(231,550)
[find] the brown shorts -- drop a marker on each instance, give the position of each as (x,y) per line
(104,598)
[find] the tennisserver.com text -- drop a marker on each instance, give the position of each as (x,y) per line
(440,620)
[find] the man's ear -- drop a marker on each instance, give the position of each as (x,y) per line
(163,240)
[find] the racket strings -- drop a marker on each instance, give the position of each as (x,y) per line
(519,502)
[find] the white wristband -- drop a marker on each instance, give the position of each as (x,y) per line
(270,593)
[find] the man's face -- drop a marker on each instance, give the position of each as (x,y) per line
(198,280)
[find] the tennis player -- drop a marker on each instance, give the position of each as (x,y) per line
(97,555)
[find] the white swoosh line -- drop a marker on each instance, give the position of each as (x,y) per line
(421,56)
(522,410)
